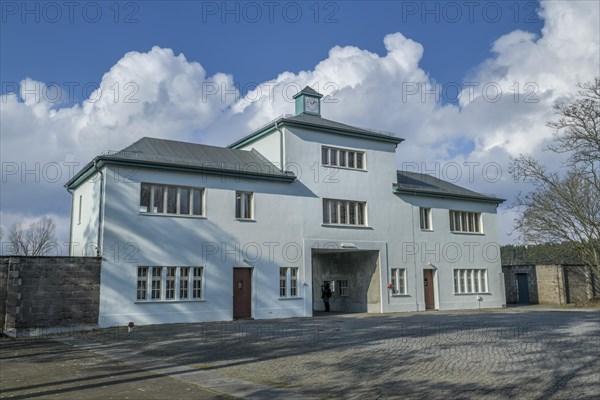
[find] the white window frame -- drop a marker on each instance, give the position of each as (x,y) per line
(465,221)
(142,283)
(162,280)
(246,201)
(343,212)
(289,287)
(425,220)
(193,194)
(399,283)
(343,287)
(470,281)
(338,157)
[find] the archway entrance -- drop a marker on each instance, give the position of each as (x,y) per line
(354,278)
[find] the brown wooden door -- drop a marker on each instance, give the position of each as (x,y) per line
(242,293)
(429,295)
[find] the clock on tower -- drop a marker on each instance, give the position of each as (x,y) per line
(308,101)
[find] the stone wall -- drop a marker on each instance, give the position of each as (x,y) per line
(552,284)
(581,283)
(48,291)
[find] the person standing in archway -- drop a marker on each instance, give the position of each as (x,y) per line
(325,295)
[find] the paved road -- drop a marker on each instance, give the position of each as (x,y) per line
(516,353)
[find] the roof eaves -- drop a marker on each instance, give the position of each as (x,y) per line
(350,131)
(100,161)
(446,195)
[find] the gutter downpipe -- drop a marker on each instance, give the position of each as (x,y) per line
(71,222)
(412,215)
(100,211)
(281,147)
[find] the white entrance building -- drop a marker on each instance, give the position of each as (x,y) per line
(190,232)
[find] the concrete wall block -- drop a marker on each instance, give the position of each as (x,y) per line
(49,291)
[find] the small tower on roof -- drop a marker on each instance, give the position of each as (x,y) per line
(308,101)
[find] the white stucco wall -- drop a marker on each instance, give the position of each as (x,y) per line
(84,230)
(217,242)
(270,146)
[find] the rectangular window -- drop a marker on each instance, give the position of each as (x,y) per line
(243,205)
(425,218)
(324,156)
(142,282)
(145,198)
(342,155)
(282,282)
(197,200)
(184,201)
(159,199)
(293,282)
(465,221)
(398,281)
(156,282)
(342,287)
(184,283)
(288,282)
(197,283)
(332,156)
(470,281)
(359,160)
(174,280)
(343,212)
(170,284)
(173,200)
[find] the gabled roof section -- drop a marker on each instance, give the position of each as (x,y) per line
(183,156)
(426,185)
(308,90)
(316,122)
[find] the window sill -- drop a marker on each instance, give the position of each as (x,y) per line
(245,220)
(169,301)
(401,295)
(471,294)
(426,230)
(171,215)
(346,168)
(290,298)
(346,226)
(467,233)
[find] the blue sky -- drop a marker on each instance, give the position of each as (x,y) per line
(377,60)
(253,41)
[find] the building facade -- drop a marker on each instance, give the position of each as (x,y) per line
(191,232)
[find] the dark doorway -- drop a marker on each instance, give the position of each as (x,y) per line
(242,293)
(523,288)
(428,286)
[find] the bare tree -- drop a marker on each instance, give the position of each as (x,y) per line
(565,207)
(37,240)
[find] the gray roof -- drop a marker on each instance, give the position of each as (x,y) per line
(417,183)
(318,122)
(171,154)
(185,153)
(308,90)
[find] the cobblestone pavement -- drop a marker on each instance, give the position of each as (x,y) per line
(514,353)
(53,370)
